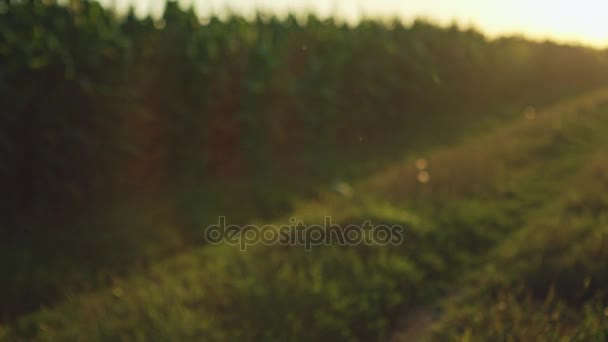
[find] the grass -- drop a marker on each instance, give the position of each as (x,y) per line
(547,279)
(111,239)
(511,223)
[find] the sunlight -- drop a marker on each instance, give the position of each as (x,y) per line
(566,21)
(581,21)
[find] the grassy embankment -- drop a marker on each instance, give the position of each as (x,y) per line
(508,237)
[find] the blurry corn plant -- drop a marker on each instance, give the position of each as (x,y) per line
(64,99)
(96,106)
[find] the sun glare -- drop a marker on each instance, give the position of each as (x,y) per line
(582,21)
(579,21)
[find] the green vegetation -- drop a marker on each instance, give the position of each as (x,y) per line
(174,108)
(520,253)
(121,138)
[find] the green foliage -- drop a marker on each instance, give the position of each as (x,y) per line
(92,101)
(243,115)
(506,264)
(546,279)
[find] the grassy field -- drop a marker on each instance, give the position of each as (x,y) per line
(506,238)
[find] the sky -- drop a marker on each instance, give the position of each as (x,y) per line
(584,21)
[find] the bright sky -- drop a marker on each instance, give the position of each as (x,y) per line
(573,20)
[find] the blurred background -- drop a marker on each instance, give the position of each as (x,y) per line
(127,127)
